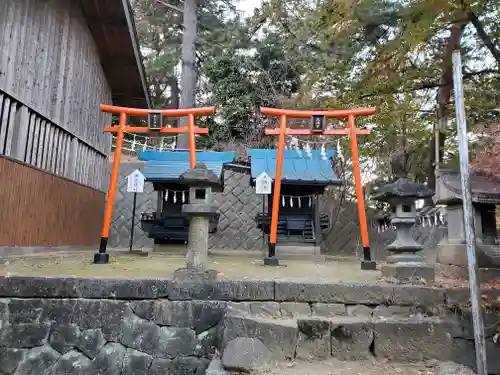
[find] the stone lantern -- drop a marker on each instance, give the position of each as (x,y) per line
(405,262)
(200,211)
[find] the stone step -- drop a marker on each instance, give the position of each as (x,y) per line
(298,249)
(343,337)
(337,367)
(287,310)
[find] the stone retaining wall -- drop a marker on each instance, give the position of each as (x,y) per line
(76,326)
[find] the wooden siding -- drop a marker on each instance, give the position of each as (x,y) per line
(40,209)
(50,64)
(47,145)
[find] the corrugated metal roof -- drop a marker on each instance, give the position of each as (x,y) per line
(169,166)
(296,168)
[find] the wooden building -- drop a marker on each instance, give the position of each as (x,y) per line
(59,60)
(304,179)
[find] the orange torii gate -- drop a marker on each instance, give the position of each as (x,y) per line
(318,128)
(156,126)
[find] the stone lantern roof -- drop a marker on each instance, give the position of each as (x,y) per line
(403,188)
(200,175)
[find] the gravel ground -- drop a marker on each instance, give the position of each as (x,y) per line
(123,265)
(162,265)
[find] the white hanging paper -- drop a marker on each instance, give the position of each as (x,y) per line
(300,203)
(175,197)
(323,152)
(183,197)
(166,195)
(310,201)
(283,201)
(291,201)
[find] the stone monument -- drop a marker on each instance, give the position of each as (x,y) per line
(199,211)
(405,262)
(485,195)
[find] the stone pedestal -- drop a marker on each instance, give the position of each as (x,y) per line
(197,249)
(199,211)
(405,261)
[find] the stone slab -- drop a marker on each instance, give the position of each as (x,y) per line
(222,290)
(328,309)
(255,309)
(58,287)
(279,335)
(413,339)
(295,309)
(351,338)
(409,271)
(314,338)
(348,293)
(246,354)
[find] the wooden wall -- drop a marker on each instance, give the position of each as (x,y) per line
(40,209)
(50,64)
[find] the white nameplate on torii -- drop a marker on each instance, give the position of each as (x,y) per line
(135,182)
(263,184)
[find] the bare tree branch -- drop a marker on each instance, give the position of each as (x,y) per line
(428,85)
(484,36)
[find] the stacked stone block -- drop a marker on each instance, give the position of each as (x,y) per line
(76,326)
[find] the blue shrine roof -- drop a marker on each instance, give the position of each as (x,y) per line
(170,165)
(296,168)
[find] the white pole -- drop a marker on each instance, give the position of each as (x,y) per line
(470,240)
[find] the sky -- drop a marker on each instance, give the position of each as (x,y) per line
(247,6)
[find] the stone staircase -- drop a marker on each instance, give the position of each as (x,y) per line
(294,331)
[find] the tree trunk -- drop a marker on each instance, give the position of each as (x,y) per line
(174,98)
(443,100)
(188,74)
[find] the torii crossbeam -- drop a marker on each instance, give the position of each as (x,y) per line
(318,129)
(155,126)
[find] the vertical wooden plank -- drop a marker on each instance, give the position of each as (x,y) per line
(53,48)
(19,63)
(36,139)
(29,56)
(59,154)
(6,24)
(66,158)
(11,124)
(55,154)
(21,132)
(49,146)
(2,96)
(85,162)
(70,71)
(13,46)
(30,137)
(42,65)
(4,120)
(78,176)
(59,91)
(42,148)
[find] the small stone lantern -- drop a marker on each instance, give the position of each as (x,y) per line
(405,262)
(199,211)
